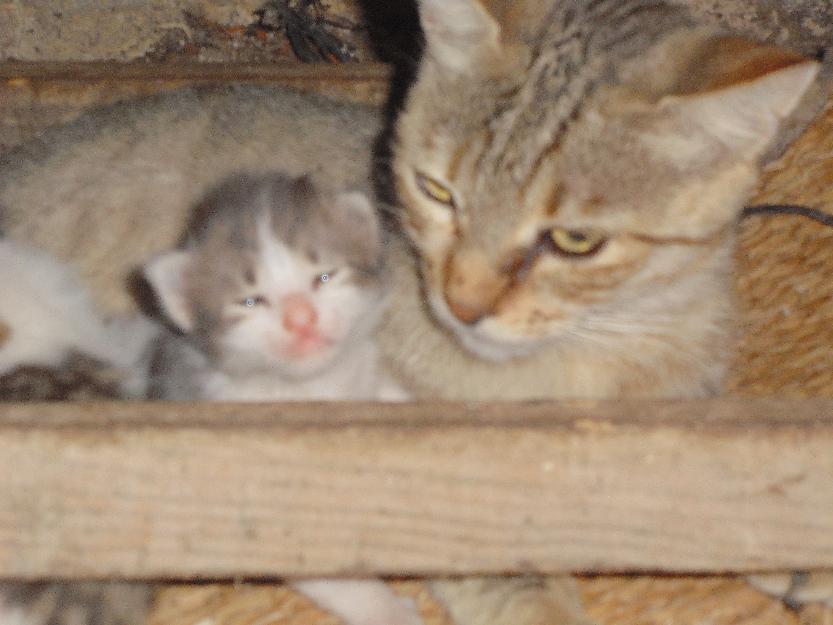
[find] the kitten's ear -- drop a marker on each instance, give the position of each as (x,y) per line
(739,91)
(166,275)
(458,33)
(361,221)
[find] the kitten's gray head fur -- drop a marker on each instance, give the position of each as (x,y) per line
(256,239)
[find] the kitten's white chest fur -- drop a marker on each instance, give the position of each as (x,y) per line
(355,376)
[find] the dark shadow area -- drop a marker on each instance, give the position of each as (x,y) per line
(146,301)
(396,38)
(395,34)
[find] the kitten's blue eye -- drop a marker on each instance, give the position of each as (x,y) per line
(251,302)
(323,278)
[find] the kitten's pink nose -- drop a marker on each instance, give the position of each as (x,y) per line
(299,315)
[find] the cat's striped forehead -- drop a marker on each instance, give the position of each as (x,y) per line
(514,122)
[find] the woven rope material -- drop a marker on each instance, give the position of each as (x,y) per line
(784,284)
(784,278)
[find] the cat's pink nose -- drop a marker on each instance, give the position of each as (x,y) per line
(299,315)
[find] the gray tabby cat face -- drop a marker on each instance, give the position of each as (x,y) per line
(564,167)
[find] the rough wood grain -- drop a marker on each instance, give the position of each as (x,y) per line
(216,491)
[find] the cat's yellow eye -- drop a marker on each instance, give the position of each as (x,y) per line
(435,190)
(576,242)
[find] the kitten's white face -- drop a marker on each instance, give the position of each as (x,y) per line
(297,315)
(278,277)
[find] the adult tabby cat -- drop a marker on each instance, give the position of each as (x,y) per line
(569,174)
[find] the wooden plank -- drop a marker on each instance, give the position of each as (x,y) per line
(229,490)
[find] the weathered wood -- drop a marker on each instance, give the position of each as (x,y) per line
(224,490)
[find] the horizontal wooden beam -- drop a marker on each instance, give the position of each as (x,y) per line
(195,491)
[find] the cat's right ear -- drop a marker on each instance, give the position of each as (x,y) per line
(738,91)
(458,33)
(166,274)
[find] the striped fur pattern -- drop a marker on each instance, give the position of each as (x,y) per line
(615,123)
(569,176)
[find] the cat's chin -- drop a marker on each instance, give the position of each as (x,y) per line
(479,341)
(300,366)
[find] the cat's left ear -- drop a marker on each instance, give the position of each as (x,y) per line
(458,33)
(167,275)
(361,225)
(738,91)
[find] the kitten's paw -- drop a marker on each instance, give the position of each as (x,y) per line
(102,603)
(512,601)
(797,589)
(361,602)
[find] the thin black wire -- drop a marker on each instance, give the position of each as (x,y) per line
(788,209)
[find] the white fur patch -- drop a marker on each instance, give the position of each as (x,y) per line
(360,602)
(48,313)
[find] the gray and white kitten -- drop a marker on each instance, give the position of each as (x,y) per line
(274,294)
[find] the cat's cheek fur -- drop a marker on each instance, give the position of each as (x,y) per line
(486,339)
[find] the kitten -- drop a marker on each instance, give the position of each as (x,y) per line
(99,214)
(570,174)
(567,146)
(55,343)
(276,292)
